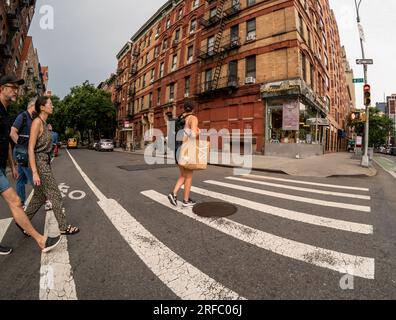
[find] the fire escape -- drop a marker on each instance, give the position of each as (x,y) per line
(220,47)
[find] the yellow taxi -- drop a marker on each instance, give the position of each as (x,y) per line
(72,143)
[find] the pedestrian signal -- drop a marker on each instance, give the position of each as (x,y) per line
(355,116)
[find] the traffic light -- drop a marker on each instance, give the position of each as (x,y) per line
(355,116)
(367,95)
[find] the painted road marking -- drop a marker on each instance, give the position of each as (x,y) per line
(56,274)
(4,225)
(293,198)
(305,182)
(363,267)
(379,161)
(282,186)
(289,214)
(185,280)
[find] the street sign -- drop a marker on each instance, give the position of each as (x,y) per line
(358,80)
(364,61)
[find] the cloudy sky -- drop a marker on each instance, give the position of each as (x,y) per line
(88,34)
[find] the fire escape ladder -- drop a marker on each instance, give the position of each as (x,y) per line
(219,36)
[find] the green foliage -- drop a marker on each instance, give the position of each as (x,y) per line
(380,127)
(86,111)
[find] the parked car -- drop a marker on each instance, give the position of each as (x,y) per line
(92,145)
(72,143)
(105,145)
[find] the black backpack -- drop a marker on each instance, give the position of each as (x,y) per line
(21,148)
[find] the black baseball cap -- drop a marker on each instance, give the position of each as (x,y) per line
(11,78)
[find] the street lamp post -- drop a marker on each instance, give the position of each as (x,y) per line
(365,158)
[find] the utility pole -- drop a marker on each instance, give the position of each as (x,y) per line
(365,158)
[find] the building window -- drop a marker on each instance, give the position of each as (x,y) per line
(150,99)
(208,79)
(162,65)
(233,71)
(193,26)
(142,103)
(174,62)
(250,2)
(177,35)
(251,29)
(251,67)
(152,74)
(187,87)
(156,51)
(190,53)
(158,96)
(312,77)
(234,34)
(165,44)
(304,66)
(168,23)
(301,25)
(144,80)
(195,4)
(147,58)
(171,92)
(210,44)
(180,13)
(213,12)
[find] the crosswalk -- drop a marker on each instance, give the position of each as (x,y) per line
(343,263)
(188,281)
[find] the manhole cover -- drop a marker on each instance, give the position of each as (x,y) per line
(214,209)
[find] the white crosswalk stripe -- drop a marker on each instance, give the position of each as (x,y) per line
(282,186)
(305,182)
(291,197)
(341,262)
(4,225)
(289,214)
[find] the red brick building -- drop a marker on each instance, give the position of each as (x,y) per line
(15,19)
(244,64)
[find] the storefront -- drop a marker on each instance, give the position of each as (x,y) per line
(296,122)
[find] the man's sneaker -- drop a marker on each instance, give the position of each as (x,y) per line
(4,250)
(172,199)
(189,203)
(51,243)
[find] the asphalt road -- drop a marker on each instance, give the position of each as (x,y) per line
(288,240)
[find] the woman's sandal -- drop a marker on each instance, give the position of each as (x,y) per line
(70,230)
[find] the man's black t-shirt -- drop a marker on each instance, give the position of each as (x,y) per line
(5,129)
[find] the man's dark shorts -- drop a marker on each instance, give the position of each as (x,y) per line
(4,183)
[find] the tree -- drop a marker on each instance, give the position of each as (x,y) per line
(380,126)
(88,110)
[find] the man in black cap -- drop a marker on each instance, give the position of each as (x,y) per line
(9,86)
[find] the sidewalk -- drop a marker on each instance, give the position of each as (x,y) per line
(335,164)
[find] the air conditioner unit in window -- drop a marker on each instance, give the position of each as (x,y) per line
(250,80)
(190,60)
(192,31)
(156,36)
(152,81)
(170,99)
(251,37)
(186,95)
(174,69)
